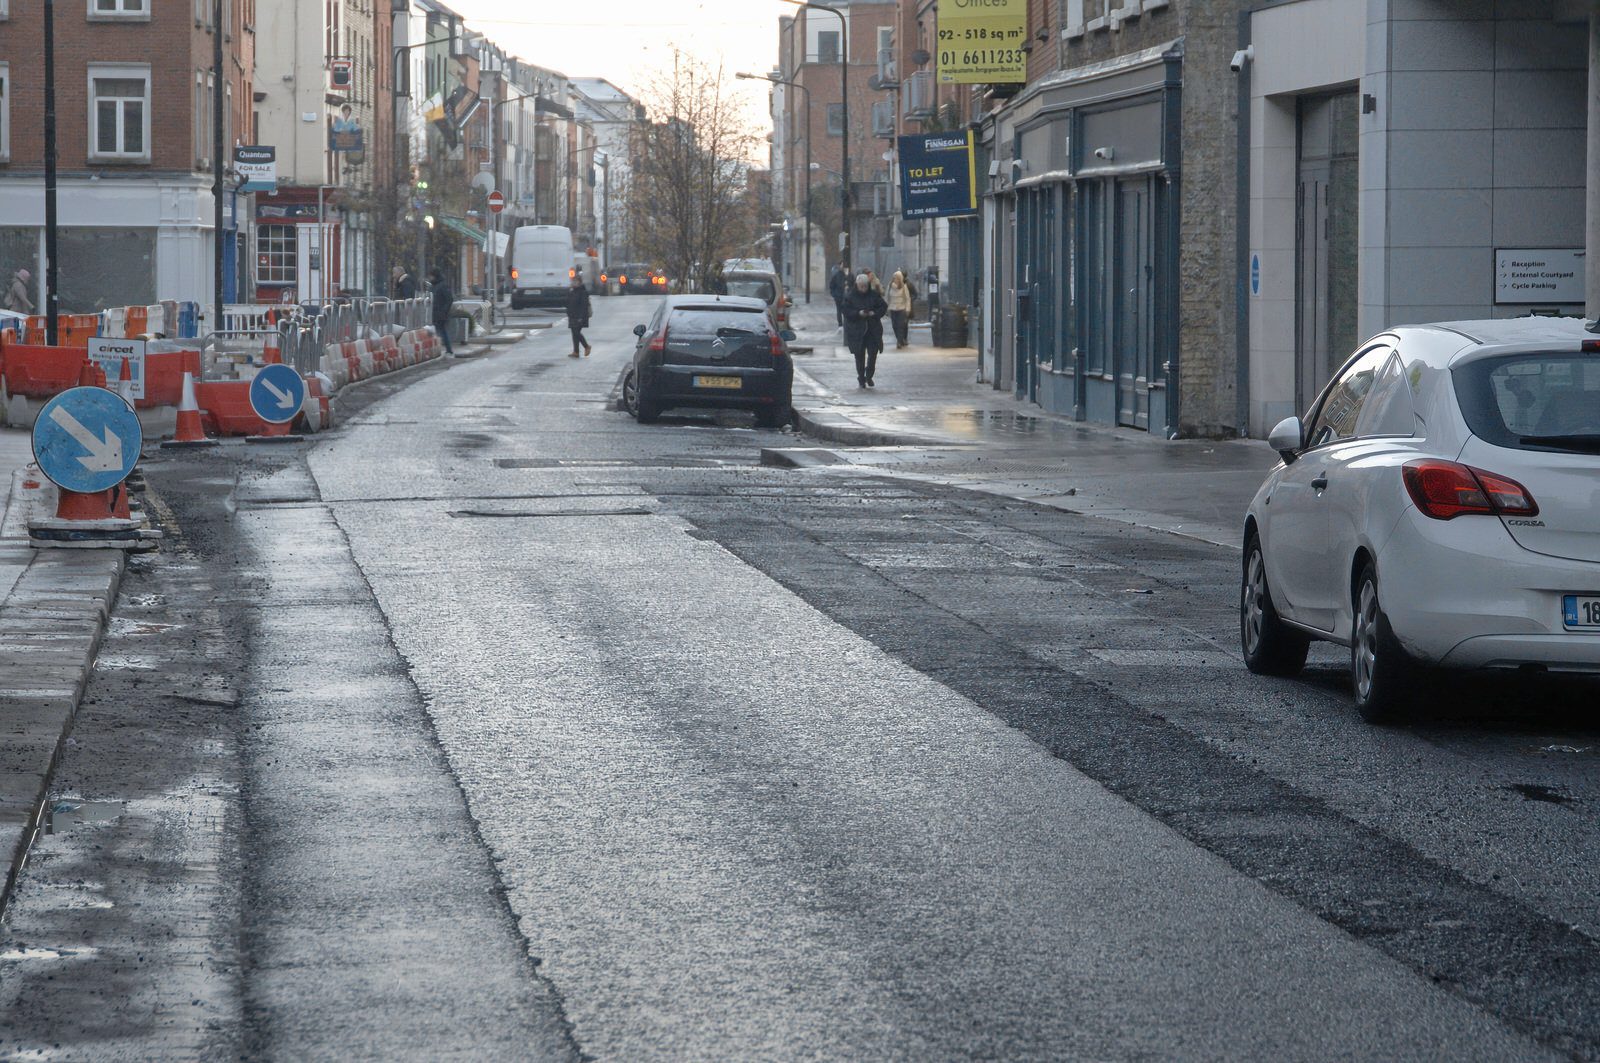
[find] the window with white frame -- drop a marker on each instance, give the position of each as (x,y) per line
(136,9)
(5,109)
(275,254)
(119,112)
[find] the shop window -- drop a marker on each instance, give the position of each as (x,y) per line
(107,9)
(119,113)
(101,268)
(19,249)
(275,254)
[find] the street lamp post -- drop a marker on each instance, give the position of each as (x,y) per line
(802,88)
(844,96)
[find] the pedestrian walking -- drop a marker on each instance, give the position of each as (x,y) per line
(443,299)
(578,311)
(17,299)
(899,300)
(839,287)
(874,283)
(863,328)
(405,285)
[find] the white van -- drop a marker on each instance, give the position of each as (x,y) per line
(541,264)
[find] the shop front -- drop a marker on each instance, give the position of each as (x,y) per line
(1083,207)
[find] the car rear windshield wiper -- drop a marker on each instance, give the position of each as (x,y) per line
(1586,443)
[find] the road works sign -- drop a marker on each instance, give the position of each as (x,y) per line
(277,393)
(87,440)
(980,42)
(936,175)
(108,352)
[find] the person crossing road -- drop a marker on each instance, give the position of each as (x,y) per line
(578,313)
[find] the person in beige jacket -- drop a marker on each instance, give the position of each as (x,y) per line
(899,299)
(17,295)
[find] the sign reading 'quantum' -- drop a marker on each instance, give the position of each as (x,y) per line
(980,42)
(936,175)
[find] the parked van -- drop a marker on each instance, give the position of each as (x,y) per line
(541,265)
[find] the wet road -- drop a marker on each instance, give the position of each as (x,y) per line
(559,734)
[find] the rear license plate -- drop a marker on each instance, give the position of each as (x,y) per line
(1581,612)
(718,382)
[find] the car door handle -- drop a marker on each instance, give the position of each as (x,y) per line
(1319,484)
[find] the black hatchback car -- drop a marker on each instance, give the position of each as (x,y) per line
(711,351)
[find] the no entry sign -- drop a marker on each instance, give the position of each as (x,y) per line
(497,202)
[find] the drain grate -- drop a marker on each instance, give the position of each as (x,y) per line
(667,462)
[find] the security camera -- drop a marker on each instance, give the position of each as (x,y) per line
(1105,153)
(1241,57)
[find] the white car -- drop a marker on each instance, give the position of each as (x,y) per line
(1440,506)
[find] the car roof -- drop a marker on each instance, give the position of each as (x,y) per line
(1519,331)
(715,302)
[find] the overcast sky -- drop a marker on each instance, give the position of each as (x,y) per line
(626,41)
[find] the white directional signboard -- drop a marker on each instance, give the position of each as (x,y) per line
(277,393)
(87,440)
(1538,275)
(108,352)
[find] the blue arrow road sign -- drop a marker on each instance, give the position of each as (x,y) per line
(87,440)
(276,394)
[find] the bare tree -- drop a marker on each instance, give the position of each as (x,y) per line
(691,162)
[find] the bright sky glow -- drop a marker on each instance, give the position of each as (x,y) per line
(626,41)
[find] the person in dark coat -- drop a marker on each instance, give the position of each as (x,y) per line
(405,285)
(578,311)
(839,287)
(443,299)
(863,328)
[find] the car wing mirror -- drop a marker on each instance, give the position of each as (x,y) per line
(1287,439)
(788,335)
(638,330)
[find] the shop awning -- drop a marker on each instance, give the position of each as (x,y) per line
(463,228)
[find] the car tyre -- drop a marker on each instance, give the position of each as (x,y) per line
(1382,674)
(775,416)
(1271,647)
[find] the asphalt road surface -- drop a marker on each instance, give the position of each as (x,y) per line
(495,725)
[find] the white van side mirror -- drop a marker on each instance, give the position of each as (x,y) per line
(1287,438)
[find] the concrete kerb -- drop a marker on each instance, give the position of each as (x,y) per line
(55,618)
(837,428)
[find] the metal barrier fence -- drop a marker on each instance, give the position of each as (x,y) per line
(303,331)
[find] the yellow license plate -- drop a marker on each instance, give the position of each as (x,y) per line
(718,382)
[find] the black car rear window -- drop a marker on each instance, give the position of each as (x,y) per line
(1533,401)
(752,289)
(694,323)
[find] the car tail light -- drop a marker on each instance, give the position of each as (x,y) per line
(603,278)
(513,274)
(659,344)
(622,279)
(1445,490)
(1591,346)
(571,273)
(778,349)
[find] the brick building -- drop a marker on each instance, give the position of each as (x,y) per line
(134,90)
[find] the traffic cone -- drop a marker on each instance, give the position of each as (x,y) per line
(271,352)
(125,382)
(190,431)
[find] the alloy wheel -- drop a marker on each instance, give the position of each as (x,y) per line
(1366,638)
(1255,592)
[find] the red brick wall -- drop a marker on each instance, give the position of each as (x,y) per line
(169,41)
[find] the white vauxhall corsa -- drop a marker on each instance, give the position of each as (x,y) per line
(1440,506)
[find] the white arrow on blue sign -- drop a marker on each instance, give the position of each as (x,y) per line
(277,393)
(87,440)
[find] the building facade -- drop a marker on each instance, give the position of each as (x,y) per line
(1418,160)
(135,84)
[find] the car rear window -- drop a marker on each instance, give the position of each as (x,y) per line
(1533,401)
(691,322)
(752,289)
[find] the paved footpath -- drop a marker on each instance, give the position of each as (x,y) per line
(53,610)
(929,418)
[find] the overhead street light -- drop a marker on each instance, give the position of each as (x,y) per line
(802,88)
(844,95)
